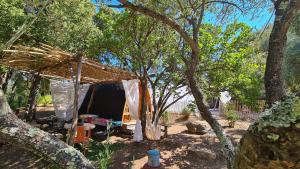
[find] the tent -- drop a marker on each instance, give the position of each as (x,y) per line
(77,70)
(105,100)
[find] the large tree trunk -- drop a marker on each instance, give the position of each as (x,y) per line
(16,132)
(32,99)
(203,107)
(285,11)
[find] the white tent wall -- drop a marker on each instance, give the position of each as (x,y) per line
(179,105)
(63,97)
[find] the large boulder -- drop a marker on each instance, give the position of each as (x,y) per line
(203,153)
(196,128)
(273,142)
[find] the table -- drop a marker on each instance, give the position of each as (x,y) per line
(89,126)
(84,116)
(88,117)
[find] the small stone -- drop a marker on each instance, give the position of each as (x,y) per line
(196,128)
(297,125)
(45,126)
(203,153)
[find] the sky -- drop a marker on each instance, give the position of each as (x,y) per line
(259,22)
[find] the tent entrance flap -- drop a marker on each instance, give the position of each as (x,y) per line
(105,100)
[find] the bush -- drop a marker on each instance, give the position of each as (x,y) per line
(232,117)
(192,107)
(166,117)
(186,113)
(44,100)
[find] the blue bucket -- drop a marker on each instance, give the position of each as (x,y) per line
(153,158)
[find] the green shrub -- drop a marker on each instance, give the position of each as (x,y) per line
(192,107)
(186,113)
(232,117)
(105,156)
(166,117)
(281,114)
(44,100)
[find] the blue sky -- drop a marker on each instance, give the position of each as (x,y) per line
(257,23)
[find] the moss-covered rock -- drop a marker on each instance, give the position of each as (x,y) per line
(273,142)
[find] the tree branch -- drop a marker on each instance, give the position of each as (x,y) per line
(116,6)
(179,98)
(165,20)
(226,2)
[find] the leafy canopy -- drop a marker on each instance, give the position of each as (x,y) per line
(229,61)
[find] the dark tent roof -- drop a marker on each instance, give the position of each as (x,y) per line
(107,102)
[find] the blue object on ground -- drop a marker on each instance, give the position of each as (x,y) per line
(116,123)
(153,158)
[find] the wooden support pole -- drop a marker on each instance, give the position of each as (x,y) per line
(32,99)
(70,140)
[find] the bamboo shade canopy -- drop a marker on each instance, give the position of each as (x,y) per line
(53,62)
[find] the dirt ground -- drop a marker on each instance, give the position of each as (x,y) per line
(174,150)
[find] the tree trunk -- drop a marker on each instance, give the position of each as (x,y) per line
(8,75)
(70,139)
(144,106)
(203,107)
(285,12)
(13,88)
(32,99)
(154,103)
(16,132)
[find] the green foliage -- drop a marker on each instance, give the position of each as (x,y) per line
(166,117)
(192,107)
(103,151)
(230,62)
(12,16)
(144,46)
(273,137)
(291,62)
(18,91)
(231,115)
(44,100)
(105,156)
(66,24)
(281,114)
(186,113)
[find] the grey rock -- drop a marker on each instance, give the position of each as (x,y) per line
(196,128)
(203,153)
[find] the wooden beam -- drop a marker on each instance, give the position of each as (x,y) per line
(75,111)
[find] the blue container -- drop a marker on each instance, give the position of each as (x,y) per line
(153,158)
